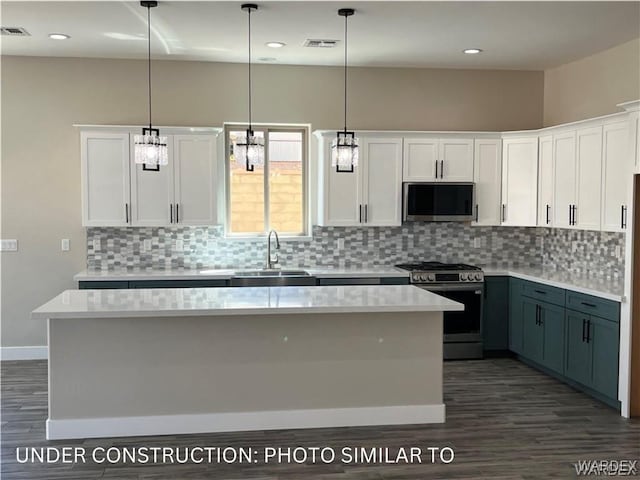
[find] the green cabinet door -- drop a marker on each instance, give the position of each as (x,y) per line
(553,323)
(533,331)
(578,351)
(495,313)
(604,342)
(515,315)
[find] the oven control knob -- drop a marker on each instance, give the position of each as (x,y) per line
(423,277)
(431,277)
(463,277)
(478,276)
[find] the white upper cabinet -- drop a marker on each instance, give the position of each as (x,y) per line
(105,179)
(194,172)
(430,159)
(487,176)
(420,159)
(119,192)
(564,177)
(617,166)
(519,181)
(545,181)
(152,192)
(371,195)
(589,178)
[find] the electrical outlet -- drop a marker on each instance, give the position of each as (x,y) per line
(341,244)
(146,245)
(618,251)
(477,242)
(178,246)
(65,244)
(9,245)
(574,247)
(96,244)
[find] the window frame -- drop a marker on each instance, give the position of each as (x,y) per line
(267,128)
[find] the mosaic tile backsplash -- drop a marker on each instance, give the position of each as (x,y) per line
(579,252)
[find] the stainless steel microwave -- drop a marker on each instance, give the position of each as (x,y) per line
(438,202)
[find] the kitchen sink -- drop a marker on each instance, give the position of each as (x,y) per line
(271,278)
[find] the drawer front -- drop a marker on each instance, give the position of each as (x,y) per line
(591,305)
(349,281)
(99,284)
(545,293)
(177,283)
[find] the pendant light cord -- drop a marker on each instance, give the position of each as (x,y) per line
(149,58)
(250,127)
(345,73)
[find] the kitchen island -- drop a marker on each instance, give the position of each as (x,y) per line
(171,361)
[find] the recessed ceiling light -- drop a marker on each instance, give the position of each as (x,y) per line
(59,36)
(275,44)
(471,51)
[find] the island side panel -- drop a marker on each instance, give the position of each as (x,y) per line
(142,367)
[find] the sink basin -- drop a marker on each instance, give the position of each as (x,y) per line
(271,278)
(270,273)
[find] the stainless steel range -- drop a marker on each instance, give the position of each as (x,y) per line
(461,283)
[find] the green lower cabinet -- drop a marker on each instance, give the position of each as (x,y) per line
(495,314)
(604,338)
(578,352)
(516,315)
(533,332)
(592,352)
(552,318)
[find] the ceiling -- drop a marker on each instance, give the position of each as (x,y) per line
(513,35)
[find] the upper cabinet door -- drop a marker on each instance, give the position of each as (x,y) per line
(194,179)
(519,181)
(545,182)
(564,158)
(341,192)
(616,169)
(589,178)
(487,175)
(105,179)
(152,193)
(456,160)
(420,160)
(382,181)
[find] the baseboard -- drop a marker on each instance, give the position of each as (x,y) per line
(24,353)
(58,429)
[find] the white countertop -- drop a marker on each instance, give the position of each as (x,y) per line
(225,274)
(242,301)
(609,289)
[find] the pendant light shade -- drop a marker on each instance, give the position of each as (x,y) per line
(248,149)
(150,149)
(345,148)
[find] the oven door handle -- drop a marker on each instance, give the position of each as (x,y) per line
(476,287)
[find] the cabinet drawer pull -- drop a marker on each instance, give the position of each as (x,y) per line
(589,305)
(541,292)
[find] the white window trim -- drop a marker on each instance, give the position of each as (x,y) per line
(306,180)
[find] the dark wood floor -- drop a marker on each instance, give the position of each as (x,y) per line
(504,421)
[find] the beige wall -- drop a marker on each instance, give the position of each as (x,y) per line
(592,86)
(43,97)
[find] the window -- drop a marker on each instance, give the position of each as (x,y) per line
(273,196)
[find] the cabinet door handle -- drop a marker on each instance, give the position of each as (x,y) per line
(504,213)
(126,212)
(588,304)
(177,213)
(548,208)
(171,213)
(570,210)
(441,168)
(366,213)
(537,314)
(476,212)
(623,217)
(584,335)
(574,208)
(436,168)
(588,331)
(360,209)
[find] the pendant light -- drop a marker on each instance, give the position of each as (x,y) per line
(248,149)
(344,148)
(150,149)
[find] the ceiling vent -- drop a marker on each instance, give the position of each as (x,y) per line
(318,43)
(15,31)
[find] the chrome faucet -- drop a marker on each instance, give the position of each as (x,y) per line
(271,262)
